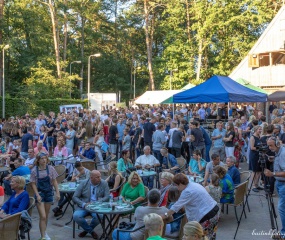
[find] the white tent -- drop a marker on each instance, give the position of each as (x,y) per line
(155,97)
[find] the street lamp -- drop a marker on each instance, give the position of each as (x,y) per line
(3,79)
(171,75)
(136,68)
(70,73)
(88,86)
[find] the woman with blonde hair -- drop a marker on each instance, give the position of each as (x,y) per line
(133,190)
(18,201)
(98,141)
(115,178)
(81,132)
(193,231)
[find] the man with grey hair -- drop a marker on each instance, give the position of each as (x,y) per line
(147,161)
(232,170)
(152,207)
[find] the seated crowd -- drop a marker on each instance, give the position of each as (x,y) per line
(194,189)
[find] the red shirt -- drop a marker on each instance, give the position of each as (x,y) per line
(1,191)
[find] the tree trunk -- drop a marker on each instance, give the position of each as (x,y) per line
(55,38)
(188,21)
(65,35)
(2,3)
(148,46)
(82,54)
(199,59)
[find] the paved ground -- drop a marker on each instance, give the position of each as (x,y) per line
(257,222)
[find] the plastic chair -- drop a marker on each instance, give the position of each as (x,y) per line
(9,227)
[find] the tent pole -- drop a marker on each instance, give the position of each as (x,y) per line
(172,111)
(228,110)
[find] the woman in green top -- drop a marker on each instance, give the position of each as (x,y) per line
(124,162)
(154,226)
(133,190)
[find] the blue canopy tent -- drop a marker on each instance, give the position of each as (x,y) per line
(219,89)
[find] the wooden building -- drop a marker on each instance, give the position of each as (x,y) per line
(264,66)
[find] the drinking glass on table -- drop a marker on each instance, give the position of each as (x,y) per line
(128,201)
(100,200)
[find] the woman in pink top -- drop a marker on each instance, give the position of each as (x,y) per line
(60,149)
(1,195)
(40,148)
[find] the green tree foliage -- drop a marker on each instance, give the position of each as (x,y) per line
(199,38)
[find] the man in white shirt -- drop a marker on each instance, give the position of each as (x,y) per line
(29,162)
(147,161)
(171,130)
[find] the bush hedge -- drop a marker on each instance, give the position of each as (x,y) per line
(21,106)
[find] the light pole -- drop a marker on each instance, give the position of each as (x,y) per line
(136,68)
(171,75)
(88,84)
(3,78)
(70,73)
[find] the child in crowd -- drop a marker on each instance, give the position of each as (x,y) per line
(214,188)
(126,140)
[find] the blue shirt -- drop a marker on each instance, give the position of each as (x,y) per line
(121,128)
(18,204)
(21,171)
(171,160)
(158,140)
(235,174)
(93,197)
(206,137)
(219,142)
(195,168)
(202,113)
(90,154)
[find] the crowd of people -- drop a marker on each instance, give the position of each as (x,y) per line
(211,138)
